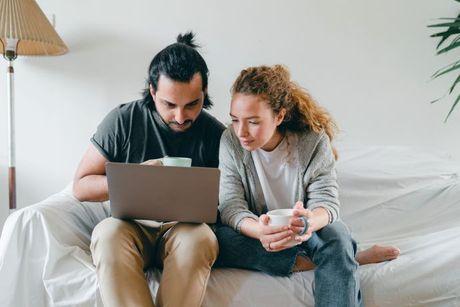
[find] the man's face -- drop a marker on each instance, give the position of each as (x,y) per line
(179,103)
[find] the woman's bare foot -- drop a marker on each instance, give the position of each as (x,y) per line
(376,254)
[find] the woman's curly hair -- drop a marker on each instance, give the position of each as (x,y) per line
(274,84)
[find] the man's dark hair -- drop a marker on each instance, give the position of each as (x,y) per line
(179,62)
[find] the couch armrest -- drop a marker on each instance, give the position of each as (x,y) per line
(41,242)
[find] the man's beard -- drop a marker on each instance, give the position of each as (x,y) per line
(178,127)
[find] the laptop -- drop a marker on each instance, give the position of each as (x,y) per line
(163,193)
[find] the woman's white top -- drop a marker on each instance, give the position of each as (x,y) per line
(277,173)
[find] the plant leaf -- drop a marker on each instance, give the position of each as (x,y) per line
(455,43)
(443,39)
(446,71)
(445,35)
(455,24)
(445,67)
(436,100)
(454,84)
(456,39)
(452,108)
(447,18)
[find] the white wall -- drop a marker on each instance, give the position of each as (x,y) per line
(367,61)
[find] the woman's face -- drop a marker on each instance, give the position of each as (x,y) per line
(255,123)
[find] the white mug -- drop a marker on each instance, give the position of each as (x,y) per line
(176,161)
(280,217)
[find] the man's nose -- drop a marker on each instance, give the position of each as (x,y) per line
(180,116)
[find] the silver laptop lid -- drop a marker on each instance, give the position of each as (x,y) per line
(163,193)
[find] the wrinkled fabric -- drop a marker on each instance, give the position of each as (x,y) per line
(389,195)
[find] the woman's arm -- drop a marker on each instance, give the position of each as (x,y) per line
(322,204)
(233,206)
(322,188)
(250,227)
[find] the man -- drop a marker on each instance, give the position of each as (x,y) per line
(168,121)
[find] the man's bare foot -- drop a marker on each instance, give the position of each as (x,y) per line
(376,254)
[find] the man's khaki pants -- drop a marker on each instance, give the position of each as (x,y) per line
(123,250)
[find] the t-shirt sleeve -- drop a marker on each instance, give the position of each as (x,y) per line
(109,137)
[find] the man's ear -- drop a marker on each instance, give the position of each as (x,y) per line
(152,91)
(205,93)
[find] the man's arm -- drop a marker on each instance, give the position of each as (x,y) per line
(90,181)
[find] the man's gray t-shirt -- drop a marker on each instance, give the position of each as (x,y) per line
(134,132)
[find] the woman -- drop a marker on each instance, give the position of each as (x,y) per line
(278,154)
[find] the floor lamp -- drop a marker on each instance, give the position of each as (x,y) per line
(24,30)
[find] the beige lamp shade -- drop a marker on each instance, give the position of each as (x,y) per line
(24,21)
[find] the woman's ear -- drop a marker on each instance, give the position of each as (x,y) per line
(280,116)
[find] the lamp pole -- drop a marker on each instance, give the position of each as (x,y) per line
(10,55)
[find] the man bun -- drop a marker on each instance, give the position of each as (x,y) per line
(187,39)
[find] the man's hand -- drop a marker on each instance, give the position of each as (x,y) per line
(153,162)
(275,238)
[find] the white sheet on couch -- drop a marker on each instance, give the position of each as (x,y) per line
(390,195)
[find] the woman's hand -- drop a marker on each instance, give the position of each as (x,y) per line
(275,238)
(317,219)
(297,224)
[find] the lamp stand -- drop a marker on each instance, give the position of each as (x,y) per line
(11,132)
(23,23)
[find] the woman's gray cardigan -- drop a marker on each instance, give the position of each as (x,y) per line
(241,195)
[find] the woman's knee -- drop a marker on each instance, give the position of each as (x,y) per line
(226,235)
(335,231)
(337,242)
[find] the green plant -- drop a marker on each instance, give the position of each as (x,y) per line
(452,30)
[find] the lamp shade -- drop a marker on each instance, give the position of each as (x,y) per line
(24,21)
